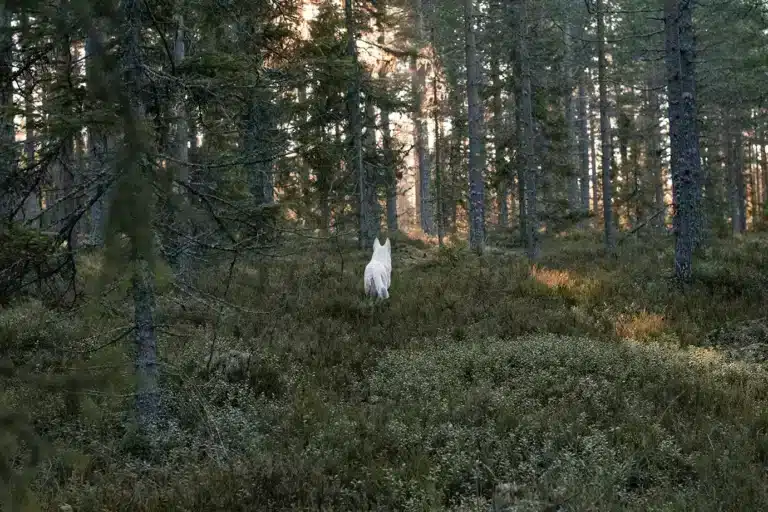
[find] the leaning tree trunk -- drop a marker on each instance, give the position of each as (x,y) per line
(605,131)
(475,121)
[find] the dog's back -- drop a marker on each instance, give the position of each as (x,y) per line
(377,276)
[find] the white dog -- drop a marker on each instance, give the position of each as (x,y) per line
(379,270)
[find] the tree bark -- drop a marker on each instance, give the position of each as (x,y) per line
(574,198)
(134,156)
(8,182)
(475,122)
(438,155)
(605,132)
(32,205)
(499,167)
(527,140)
(98,141)
(684,139)
(355,135)
(418,86)
(390,169)
(583,146)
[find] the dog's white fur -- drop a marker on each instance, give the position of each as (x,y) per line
(378,272)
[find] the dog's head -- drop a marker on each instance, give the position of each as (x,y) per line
(381,250)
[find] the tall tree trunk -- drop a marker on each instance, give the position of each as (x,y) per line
(527,139)
(653,157)
(574,199)
(593,162)
(451,187)
(390,169)
(354,117)
(683,129)
(520,164)
(32,206)
(499,167)
(8,183)
(180,167)
(583,146)
(737,160)
(259,145)
(136,188)
(63,166)
(418,86)
(623,171)
(371,174)
(98,141)
(764,162)
(438,155)
(390,176)
(605,131)
(475,123)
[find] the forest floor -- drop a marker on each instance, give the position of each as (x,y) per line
(588,382)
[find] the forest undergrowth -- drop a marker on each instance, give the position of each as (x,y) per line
(586,382)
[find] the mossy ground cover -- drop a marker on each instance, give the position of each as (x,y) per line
(587,382)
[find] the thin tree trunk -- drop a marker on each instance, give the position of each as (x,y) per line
(180,152)
(753,182)
(741,188)
(475,123)
(574,199)
(390,169)
(438,164)
(764,161)
(7,151)
(97,141)
(355,158)
(593,163)
(371,174)
(418,86)
(32,206)
(499,166)
(654,153)
(583,147)
(390,178)
(527,140)
(605,132)
(522,213)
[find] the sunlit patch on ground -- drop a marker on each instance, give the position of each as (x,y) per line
(640,326)
(552,278)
